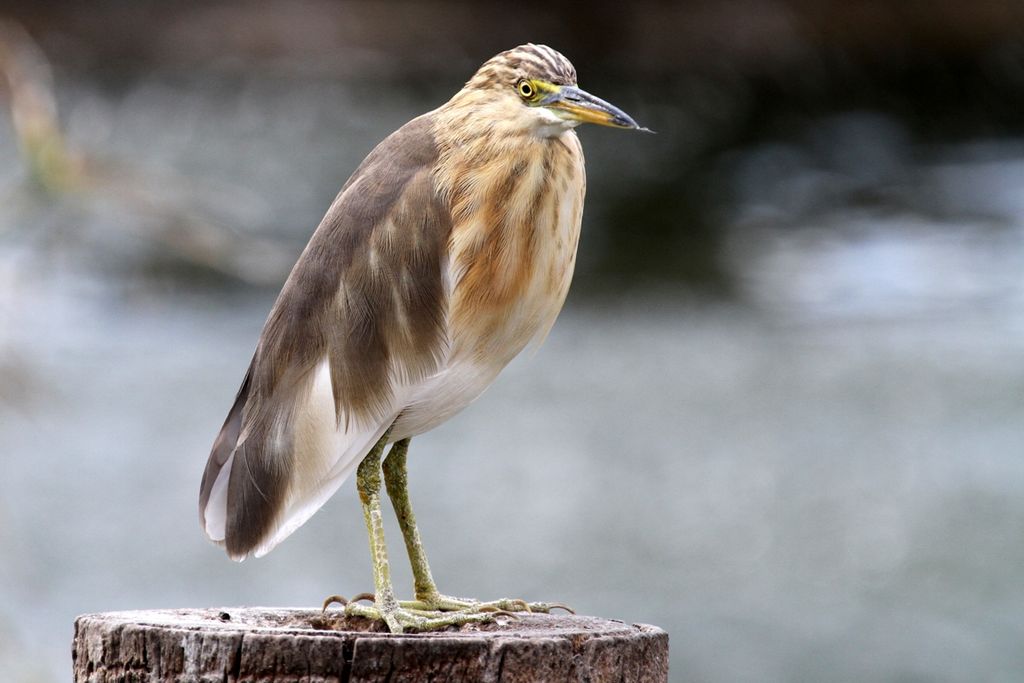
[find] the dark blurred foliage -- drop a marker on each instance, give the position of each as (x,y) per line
(711,77)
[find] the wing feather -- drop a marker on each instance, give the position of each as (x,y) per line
(361,317)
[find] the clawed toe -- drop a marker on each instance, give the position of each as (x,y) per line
(438,611)
(412,616)
(333,599)
(546,607)
(509,606)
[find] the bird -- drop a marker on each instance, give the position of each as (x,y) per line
(449,249)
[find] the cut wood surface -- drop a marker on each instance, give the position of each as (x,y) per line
(275,645)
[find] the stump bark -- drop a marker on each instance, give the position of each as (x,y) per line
(307,646)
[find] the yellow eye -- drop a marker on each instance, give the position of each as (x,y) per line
(526,89)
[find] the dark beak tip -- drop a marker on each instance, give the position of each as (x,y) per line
(626,121)
(633,125)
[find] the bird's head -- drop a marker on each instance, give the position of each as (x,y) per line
(533,88)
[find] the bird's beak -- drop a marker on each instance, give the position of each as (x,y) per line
(574,104)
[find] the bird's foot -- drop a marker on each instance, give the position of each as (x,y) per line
(437,602)
(401,618)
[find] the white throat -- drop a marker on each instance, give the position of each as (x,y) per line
(548,124)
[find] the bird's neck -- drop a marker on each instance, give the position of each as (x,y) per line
(487,159)
(515,202)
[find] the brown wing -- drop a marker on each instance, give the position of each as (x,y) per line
(367,297)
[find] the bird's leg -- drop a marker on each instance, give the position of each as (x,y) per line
(397,617)
(368,485)
(396,479)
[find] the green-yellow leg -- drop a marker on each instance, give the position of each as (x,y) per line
(397,617)
(428,598)
(368,485)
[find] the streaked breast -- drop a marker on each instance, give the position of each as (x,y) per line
(516,226)
(513,248)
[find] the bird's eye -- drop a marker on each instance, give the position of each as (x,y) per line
(526,89)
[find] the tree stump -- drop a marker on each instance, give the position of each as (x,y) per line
(307,646)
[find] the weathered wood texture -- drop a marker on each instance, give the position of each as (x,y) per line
(305,646)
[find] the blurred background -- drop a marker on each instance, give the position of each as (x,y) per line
(782,415)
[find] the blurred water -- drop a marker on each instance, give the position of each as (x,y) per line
(791,501)
(820,479)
